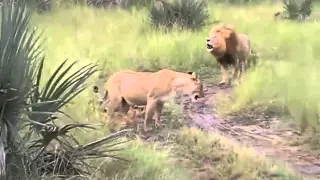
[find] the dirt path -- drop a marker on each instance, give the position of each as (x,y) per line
(258,132)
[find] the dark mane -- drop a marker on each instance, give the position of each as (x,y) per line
(226,59)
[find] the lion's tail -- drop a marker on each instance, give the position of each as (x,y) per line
(252,55)
(105,97)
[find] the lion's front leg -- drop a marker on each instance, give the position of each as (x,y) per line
(150,109)
(224,73)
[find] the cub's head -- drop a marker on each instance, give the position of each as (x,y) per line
(222,39)
(131,118)
(190,84)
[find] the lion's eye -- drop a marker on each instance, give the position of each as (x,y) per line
(193,79)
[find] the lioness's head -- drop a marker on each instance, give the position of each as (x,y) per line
(222,38)
(190,84)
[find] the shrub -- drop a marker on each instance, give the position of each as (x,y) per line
(189,14)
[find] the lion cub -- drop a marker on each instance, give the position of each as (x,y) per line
(126,120)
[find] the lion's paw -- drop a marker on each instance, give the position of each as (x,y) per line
(146,128)
(221,83)
(159,125)
(235,84)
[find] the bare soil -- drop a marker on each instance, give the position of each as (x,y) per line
(262,132)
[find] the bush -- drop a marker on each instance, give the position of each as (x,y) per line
(186,14)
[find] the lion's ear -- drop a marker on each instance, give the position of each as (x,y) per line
(227,33)
(229,30)
(230,27)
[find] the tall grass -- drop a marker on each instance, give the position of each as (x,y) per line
(119,39)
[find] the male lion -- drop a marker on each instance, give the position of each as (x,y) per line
(151,89)
(230,49)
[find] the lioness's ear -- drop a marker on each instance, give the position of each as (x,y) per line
(194,75)
(95,89)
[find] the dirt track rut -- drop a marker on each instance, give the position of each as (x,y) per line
(258,134)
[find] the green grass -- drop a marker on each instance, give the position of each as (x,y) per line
(119,39)
(222,159)
(147,163)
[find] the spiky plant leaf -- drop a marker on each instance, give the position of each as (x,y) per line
(19,52)
(70,160)
(60,89)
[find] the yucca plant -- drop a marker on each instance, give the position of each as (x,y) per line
(306,8)
(29,111)
(186,14)
(297,9)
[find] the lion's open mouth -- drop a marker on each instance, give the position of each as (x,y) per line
(209,47)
